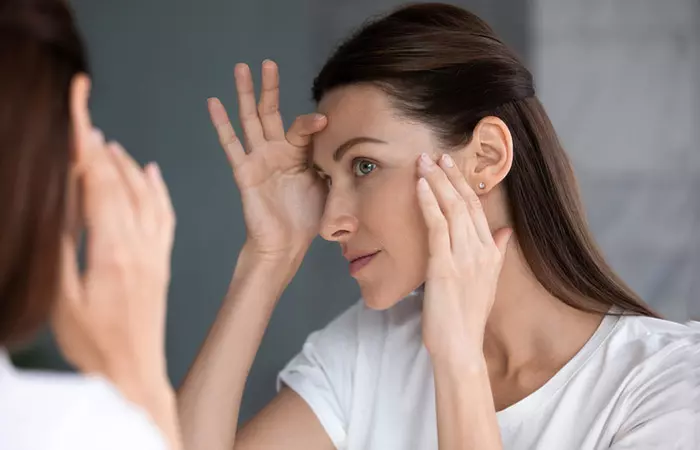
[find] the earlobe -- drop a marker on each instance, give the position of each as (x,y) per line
(81,121)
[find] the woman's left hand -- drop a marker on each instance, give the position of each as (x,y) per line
(464,263)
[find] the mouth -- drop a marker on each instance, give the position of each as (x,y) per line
(358,263)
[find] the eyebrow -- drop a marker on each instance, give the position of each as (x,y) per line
(347,145)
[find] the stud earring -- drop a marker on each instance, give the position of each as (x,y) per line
(482,185)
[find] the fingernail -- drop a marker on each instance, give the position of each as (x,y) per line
(319,116)
(447,160)
(423,184)
(425,162)
(154,169)
(98,136)
(113,147)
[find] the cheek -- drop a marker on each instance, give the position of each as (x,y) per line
(393,218)
(390,209)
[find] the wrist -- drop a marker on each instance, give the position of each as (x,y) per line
(280,267)
(255,256)
(145,388)
(462,356)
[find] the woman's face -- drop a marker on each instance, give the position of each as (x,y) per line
(368,156)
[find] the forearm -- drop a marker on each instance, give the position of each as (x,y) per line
(154,393)
(210,397)
(465,410)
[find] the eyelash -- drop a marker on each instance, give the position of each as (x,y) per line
(354,166)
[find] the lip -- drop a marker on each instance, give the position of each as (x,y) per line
(359,261)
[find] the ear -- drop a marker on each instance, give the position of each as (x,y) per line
(80,116)
(489,155)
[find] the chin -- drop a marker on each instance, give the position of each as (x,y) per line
(383,296)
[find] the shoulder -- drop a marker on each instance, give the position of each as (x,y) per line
(660,394)
(72,412)
(657,339)
(663,365)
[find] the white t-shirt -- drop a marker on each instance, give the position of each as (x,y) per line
(634,385)
(53,411)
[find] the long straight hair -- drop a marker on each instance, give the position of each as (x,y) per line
(40,53)
(445,67)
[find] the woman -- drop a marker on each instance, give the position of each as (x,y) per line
(58,177)
(488,320)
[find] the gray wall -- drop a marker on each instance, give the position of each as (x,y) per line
(621,81)
(155,63)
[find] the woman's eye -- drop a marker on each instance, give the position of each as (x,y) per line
(362,167)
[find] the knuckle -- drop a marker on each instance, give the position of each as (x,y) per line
(455,205)
(439,238)
(474,202)
(119,260)
(271,108)
(437,223)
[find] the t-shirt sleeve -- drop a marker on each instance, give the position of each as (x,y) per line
(666,412)
(322,373)
(102,419)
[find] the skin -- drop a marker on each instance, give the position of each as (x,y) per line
(494,335)
(110,318)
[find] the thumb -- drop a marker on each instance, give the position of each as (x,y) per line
(502,237)
(299,134)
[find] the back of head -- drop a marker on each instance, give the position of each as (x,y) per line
(445,67)
(40,53)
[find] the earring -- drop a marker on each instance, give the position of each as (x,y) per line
(482,185)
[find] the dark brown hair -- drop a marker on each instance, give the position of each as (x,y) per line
(445,67)
(40,52)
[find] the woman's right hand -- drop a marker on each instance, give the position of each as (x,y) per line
(282,196)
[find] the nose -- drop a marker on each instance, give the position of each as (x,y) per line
(339,221)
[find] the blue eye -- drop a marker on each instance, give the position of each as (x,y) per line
(362,167)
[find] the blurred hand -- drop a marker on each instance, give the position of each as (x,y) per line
(282,196)
(110,320)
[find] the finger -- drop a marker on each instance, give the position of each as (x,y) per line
(106,206)
(133,177)
(92,144)
(304,127)
(227,136)
(438,231)
(247,109)
(476,210)
(461,228)
(268,108)
(163,202)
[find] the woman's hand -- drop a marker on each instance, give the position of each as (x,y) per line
(110,320)
(281,194)
(464,263)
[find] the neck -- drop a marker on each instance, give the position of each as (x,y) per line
(529,327)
